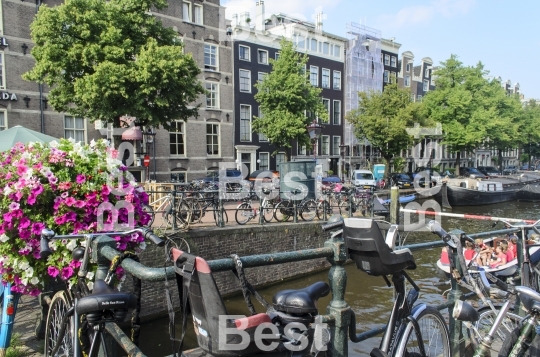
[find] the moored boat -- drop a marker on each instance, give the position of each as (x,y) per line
(529,193)
(402,199)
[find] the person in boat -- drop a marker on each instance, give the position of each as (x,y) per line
(484,256)
(500,257)
(445,257)
(512,245)
(509,254)
(469,252)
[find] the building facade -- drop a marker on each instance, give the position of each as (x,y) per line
(190,150)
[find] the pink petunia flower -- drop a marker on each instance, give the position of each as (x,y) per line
(67,273)
(80,179)
(13,206)
(53,271)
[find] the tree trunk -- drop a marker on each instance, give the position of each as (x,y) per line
(458,160)
(499,154)
(387,166)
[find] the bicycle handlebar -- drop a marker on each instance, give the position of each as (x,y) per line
(333,225)
(436,228)
(48,235)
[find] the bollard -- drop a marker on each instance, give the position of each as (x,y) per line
(455,326)
(221,221)
(295,213)
(372,197)
(350,204)
(261,218)
(394,205)
(173,209)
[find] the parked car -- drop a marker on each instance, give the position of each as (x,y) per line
(421,172)
(401,180)
(509,170)
(362,178)
(471,172)
(525,167)
(488,170)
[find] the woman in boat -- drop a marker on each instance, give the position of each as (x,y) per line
(506,248)
(469,252)
(484,256)
(512,245)
(500,257)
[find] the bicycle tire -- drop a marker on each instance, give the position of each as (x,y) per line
(268,211)
(530,278)
(485,322)
(323,206)
(308,210)
(57,310)
(432,326)
(150,211)
(283,211)
(183,214)
(216,216)
(244,212)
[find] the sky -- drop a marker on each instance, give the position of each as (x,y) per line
(502,34)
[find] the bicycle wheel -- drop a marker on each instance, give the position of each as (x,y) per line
(150,211)
(268,211)
(183,214)
(284,211)
(344,208)
(216,216)
(323,206)
(308,210)
(57,310)
(434,335)
(243,213)
(485,322)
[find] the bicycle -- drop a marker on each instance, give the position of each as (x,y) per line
(77,318)
(411,330)
(165,206)
(194,205)
(287,208)
(245,211)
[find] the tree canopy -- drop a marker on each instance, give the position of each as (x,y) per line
(287,100)
(382,119)
(107,59)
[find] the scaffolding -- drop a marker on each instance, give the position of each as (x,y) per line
(364,71)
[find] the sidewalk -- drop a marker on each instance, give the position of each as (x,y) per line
(25,323)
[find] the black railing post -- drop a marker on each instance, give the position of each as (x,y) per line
(295,207)
(221,221)
(455,326)
(261,218)
(173,210)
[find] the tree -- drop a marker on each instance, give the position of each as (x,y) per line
(531,125)
(288,101)
(107,59)
(382,118)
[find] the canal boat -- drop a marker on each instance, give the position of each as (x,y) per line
(529,193)
(402,199)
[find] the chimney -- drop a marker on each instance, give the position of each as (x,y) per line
(318,21)
(259,16)
(243,20)
(234,20)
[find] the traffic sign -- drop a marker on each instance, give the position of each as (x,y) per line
(146,160)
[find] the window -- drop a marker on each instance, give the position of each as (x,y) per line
(280,157)
(277,56)
(386,60)
(393,76)
(177,139)
(337,51)
(186,11)
(210,57)
(419,98)
(386,76)
(264,161)
(325,78)
(245,81)
(245,122)
(212,97)
(212,139)
(3,121)
(326,103)
(2,71)
(262,137)
(336,141)
(325,145)
(426,85)
(261,75)
(326,48)
(178,176)
(262,56)
(336,118)
(74,128)
(413,97)
(407,81)
(314,75)
(426,73)
(299,40)
(314,45)
(199,14)
(301,150)
(337,80)
(244,53)
(393,61)
(408,67)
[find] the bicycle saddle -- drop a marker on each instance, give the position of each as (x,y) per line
(300,301)
(104,297)
(529,297)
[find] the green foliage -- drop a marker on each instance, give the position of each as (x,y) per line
(330,172)
(107,59)
(524,158)
(382,118)
(284,96)
(399,164)
(17,348)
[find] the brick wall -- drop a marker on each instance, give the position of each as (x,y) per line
(249,240)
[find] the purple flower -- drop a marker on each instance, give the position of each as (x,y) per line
(24,222)
(64,195)
(37,228)
(38,189)
(31,200)
(13,206)
(80,179)
(79,204)
(60,219)
(53,271)
(70,201)
(67,273)
(53,179)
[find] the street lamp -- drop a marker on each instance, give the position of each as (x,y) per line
(314,131)
(149,136)
(342,150)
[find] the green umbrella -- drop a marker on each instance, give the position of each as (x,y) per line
(19,134)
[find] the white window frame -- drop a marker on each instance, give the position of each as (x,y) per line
(74,129)
(327,106)
(209,66)
(2,68)
(302,150)
(245,136)
(334,106)
(327,151)
(218,134)
(215,97)
(5,126)
(313,41)
(334,145)
(426,85)
(336,84)
(177,172)
(266,155)
(393,61)
(337,51)
(248,59)
(386,60)
(258,58)
(276,56)
(413,97)
(259,77)
(316,76)
(408,67)
(200,20)
(187,18)
(420,97)
(386,76)
(280,157)
(176,133)
(326,45)
(407,81)
(242,78)
(426,73)
(323,76)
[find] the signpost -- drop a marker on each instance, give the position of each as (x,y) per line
(146,163)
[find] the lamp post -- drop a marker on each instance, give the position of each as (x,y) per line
(149,136)
(342,150)
(314,131)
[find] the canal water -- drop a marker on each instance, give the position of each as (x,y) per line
(368,296)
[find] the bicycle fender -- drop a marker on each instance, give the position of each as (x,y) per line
(417,310)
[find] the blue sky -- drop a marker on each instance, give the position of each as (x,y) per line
(504,35)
